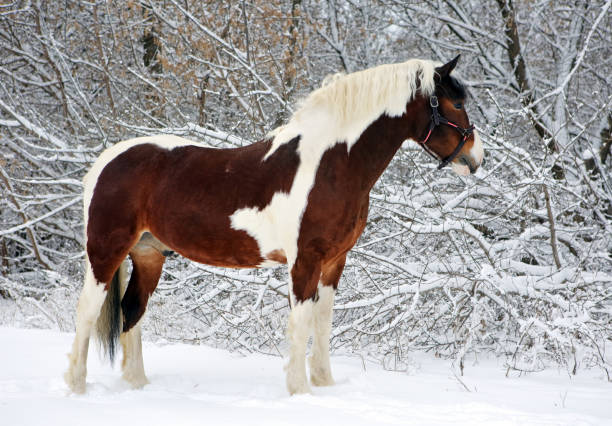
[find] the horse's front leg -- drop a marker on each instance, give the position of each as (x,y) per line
(320,369)
(305,274)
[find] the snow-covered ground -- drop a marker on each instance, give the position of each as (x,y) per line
(204,386)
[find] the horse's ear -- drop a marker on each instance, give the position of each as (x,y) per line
(446,69)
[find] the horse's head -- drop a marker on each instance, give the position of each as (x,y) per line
(449,136)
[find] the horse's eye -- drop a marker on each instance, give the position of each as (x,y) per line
(458,105)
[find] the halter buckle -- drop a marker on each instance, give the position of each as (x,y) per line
(433,101)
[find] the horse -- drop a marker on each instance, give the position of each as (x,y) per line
(298,197)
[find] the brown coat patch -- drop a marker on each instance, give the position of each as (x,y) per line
(277,256)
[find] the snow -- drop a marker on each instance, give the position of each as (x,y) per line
(201,385)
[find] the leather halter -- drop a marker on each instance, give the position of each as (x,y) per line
(436,120)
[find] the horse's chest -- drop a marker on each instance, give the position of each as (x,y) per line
(333,229)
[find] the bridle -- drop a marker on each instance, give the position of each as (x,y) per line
(436,120)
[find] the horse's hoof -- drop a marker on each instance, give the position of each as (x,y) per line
(136,381)
(323,380)
(297,386)
(76,384)
(297,390)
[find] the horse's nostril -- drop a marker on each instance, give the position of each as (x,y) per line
(469,163)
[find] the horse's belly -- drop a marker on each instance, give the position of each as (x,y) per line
(233,251)
(218,246)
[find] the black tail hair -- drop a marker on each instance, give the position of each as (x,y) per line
(108,326)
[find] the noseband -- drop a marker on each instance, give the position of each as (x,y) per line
(436,120)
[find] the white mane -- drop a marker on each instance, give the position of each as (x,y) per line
(346,105)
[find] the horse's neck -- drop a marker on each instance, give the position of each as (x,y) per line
(375,148)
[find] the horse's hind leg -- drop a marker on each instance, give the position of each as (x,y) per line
(133,366)
(320,369)
(147,260)
(90,302)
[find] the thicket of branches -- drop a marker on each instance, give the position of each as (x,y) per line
(515,260)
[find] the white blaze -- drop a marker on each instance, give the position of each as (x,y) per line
(477,151)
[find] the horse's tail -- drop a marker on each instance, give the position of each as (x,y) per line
(110,320)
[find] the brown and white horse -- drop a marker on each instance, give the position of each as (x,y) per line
(299,197)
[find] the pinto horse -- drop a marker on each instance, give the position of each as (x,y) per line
(299,197)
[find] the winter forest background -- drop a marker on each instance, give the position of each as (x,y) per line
(515,261)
